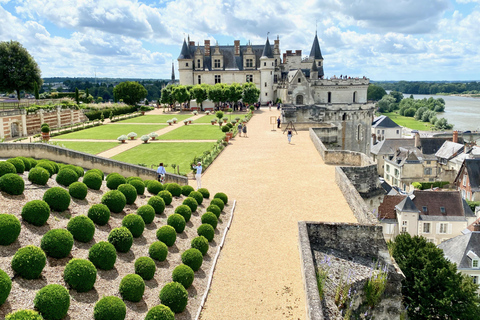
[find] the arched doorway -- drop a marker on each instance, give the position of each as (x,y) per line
(299,99)
(14,130)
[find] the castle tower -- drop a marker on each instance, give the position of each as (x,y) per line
(267,68)
(314,71)
(316,55)
(185,65)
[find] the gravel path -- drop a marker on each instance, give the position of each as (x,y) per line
(258,275)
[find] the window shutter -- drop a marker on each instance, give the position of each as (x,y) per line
(449,231)
(438,228)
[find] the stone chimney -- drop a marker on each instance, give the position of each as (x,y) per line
(191,43)
(418,143)
(276,46)
(455,136)
(207,47)
(284,57)
(298,53)
(237,47)
(476,227)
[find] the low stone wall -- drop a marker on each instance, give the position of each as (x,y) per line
(84,160)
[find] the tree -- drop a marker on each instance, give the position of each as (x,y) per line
(18,69)
(166,95)
(234,92)
(397,95)
(180,94)
(35,90)
(200,94)
(433,289)
(130,91)
(386,104)
(375,92)
(250,93)
(77,96)
(215,93)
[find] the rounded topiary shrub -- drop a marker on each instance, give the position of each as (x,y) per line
(204,193)
(57,243)
(121,238)
(47,166)
(114,200)
(12,183)
(184,211)
(57,198)
(210,218)
(218,202)
(80,274)
(28,262)
(197,196)
(33,162)
(18,164)
(147,212)
(97,171)
(26,163)
(134,223)
(99,213)
(132,287)
(174,189)
(167,235)
(133,178)
(154,187)
(138,185)
(9,229)
(177,222)
(193,258)
(93,180)
(222,196)
(110,308)
(112,175)
(36,212)
(78,190)
(147,182)
(215,210)
(5,286)
(158,251)
(166,196)
(66,177)
(184,275)
(39,175)
(145,267)
(52,301)
(54,165)
(207,231)
(78,170)
(103,255)
(200,243)
(157,203)
(174,296)
(129,192)
(6,167)
(114,181)
(186,190)
(26,314)
(160,312)
(191,202)
(82,228)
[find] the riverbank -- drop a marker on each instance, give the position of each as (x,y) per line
(465,95)
(409,122)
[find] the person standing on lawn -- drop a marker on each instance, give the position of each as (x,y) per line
(198,175)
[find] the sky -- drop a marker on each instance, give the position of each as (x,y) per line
(410,40)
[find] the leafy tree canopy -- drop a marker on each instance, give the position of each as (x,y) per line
(131,92)
(375,92)
(250,93)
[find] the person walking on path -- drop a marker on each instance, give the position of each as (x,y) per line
(289,136)
(239,129)
(198,175)
(244,129)
(161,173)
(278,122)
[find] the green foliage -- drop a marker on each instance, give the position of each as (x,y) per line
(180,93)
(197,196)
(154,187)
(199,93)
(36,212)
(375,92)
(12,183)
(57,243)
(114,200)
(375,286)
(174,296)
(24,315)
(225,129)
(184,275)
(166,196)
(114,181)
(147,212)
(145,267)
(177,222)
(167,235)
(158,251)
(210,218)
(5,286)
(193,258)
(18,164)
(207,231)
(121,238)
(129,192)
(200,243)
(38,175)
(93,180)
(429,185)
(6,167)
(131,92)
(250,93)
(52,301)
(80,274)
(82,228)
(174,189)
(157,203)
(99,213)
(222,196)
(218,202)
(98,171)
(160,312)
(473,204)
(186,189)
(184,211)
(47,166)
(78,190)
(132,287)
(9,229)
(78,170)
(204,193)
(138,185)
(103,255)
(215,210)
(57,198)
(110,308)
(66,177)
(134,223)
(28,262)
(191,202)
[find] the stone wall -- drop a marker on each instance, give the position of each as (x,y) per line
(84,160)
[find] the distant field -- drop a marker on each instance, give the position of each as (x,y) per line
(156,118)
(193,132)
(89,147)
(408,122)
(111,131)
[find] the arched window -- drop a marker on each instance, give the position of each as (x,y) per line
(329,97)
(344,117)
(354,96)
(299,99)
(199,79)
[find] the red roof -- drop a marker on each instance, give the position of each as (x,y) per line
(386,210)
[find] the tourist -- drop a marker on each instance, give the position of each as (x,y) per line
(244,129)
(289,136)
(239,129)
(278,122)
(161,173)
(198,175)
(278,106)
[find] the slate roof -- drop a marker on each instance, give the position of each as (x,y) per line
(314,66)
(315,52)
(433,200)
(473,170)
(458,249)
(185,53)
(431,145)
(386,187)
(406,205)
(389,146)
(449,149)
(386,210)
(267,50)
(384,122)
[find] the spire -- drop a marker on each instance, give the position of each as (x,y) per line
(315,52)
(185,54)
(314,66)
(267,50)
(173,73)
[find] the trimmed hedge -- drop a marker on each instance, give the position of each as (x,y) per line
(78,170)
(47,166)
(222,196)
(28,262)
(200,243)
(57,243)
(174,296)
(154,187)
(57,198)
(134,223)
(147,212)
(132,287)
(145,267)
(93,180)
(18,164)
(110,308)
(177,222)
(184,211)
(99,213)
(207,231)
(186,190)
(39,175)
(215,210)
(5,286)
(129,192)
(160,312)
(114,181)
(218,202)
(167,235)
(82,228)
(36,212)
(114,200)
(197,196)
(158,251)
(12,183)
(9,229)
(174,189)
(97,171)
(78,190)
(210,218)
(66,177)
(52,301)
(204,193)
(103,255)
(80,274)
(184,275)
(138,185)
(166,196)
(191,202)
(157,203)
(6,167)
(193,258)
(121,238)
(26,314)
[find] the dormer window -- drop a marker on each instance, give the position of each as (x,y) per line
(217,63)
(186,64)
(475,263)
(424,209)
(442,209)
(198,63)
(249,63)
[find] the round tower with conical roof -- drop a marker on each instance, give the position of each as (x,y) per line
(185,65)
(267,68)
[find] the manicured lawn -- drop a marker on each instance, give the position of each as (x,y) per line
(111,131)
(193,132)
(162,119)
(408,122)
(175,152)
(206,119)
(89,147)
